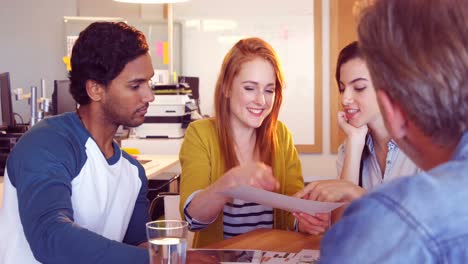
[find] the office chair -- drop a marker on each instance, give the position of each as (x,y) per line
(159,208)
(168,202)
(157,187)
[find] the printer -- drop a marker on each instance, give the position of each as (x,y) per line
(169,114)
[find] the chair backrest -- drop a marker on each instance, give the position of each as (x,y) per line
(171,207)
(171,210)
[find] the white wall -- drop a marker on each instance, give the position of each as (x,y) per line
(107,8)
(315,166)
(32,45)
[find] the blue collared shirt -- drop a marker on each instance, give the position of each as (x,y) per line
(417,219)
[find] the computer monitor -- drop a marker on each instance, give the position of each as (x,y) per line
(62,100)
(193,83)
(7,119)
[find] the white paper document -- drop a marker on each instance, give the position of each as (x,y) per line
(275,200)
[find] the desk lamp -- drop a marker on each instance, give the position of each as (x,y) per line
(170,26)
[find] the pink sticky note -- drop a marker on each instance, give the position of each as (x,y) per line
(159,48)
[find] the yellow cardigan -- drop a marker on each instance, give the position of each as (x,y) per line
(200,158)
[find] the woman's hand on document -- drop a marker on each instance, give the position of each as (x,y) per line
(313,224)
(325,191)
(331,191)
(255,174)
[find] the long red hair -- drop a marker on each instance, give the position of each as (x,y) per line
(243,51)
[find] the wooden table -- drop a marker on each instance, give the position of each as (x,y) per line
(270,240)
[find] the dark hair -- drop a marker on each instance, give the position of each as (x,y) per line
(351,51)
(100,53)
(417,52)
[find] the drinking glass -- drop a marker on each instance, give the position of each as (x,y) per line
(167,241)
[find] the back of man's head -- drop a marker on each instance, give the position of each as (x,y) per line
(101,52)
(417,52)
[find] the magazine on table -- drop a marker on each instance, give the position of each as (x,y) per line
(232,256)
(247,256)
(305,256)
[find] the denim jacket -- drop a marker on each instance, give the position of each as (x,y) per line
(416,219)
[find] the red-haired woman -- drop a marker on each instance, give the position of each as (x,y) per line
(244,144)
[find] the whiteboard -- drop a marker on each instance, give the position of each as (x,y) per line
(206,41)
(154,30)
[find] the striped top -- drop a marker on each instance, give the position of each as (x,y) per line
(239,217)
(202,165)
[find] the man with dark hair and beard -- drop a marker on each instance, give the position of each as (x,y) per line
(71,195)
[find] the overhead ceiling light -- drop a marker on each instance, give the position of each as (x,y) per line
(151,1)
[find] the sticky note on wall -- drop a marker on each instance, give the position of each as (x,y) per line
(159,49)
(166,53)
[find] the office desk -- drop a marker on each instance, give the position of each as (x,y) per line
(154,168)
(270,240)
(157,164)
(164,146)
